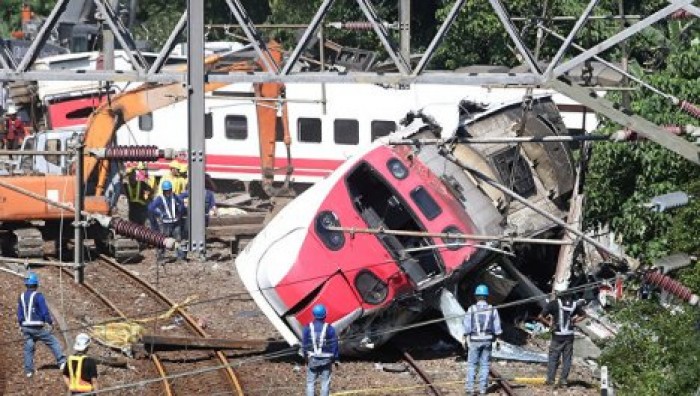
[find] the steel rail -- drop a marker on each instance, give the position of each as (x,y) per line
(230,374)
(421,373)
(505,385)
(167,387)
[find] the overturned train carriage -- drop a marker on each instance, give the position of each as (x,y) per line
(372,284)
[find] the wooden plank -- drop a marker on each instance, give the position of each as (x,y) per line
(250,218)
(174,343)
(233,231)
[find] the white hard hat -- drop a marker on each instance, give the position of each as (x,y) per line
(11,109)
(82,341)
(560,287)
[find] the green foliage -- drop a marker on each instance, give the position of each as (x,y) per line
(10,12)
(656,351)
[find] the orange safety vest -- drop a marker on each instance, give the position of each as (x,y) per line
(76,382)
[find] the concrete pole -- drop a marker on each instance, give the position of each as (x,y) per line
(108,40)
(405,29)
(195,81)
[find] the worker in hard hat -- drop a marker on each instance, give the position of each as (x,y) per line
(176,181)
(482,325)
(167,210)
(320,347)
(15,129)
(80,372)
(183,176)
(561,315)
(138,193)
(36,324)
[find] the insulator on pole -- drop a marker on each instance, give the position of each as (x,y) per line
(141,233)
(133,153)
(672,286)
(690,108)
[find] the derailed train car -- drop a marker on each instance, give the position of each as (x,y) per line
(374,283)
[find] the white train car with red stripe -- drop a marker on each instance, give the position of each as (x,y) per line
(327,124)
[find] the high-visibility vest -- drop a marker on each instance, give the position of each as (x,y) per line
(76,382)
(134,193)
(565,316)
(170,211)
(27,308)
(317,345)
(482,323)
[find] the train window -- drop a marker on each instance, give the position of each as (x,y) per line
(53,145)
(425,203)
(146,122)
(382,128)
(334,240)
(309,130)
(236,127)
(457,243)
(346,131)
(371,288)
(208,126)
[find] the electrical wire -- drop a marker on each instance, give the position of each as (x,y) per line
(294,350)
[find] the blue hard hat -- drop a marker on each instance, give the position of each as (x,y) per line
(481,290)
(32,279)
(167,185)
(319,311)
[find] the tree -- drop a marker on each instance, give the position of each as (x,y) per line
(10,12)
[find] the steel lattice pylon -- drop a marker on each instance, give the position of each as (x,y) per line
(553,75)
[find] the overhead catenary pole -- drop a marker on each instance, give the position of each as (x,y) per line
(78,260)
(195,106)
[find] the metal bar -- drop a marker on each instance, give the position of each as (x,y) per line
(510,28)
(634,122)
(448,235)
(252,34)
(497,79)
(78,260)
(439,36)
(30,262)
(308,34)
(91,75)
(195,106)
(405,28)
(169,45)
(109,16)
(527,203)
(391,48)
(565,18)
(614,67)
(34,152)
(5,58)
(496,140)
(43,34)
(693,10)
(572,35)
(623,35)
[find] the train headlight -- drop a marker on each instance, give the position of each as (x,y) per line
(397,169)
(334,240)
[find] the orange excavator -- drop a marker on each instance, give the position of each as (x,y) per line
(26,223)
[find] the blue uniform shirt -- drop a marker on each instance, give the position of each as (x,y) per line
(330,345)
(162,206)
(483,310)
(38,311)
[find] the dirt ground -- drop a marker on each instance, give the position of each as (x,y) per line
(222,304)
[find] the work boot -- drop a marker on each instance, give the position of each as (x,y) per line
(563,383)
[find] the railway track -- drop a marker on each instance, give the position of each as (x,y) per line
(131,297)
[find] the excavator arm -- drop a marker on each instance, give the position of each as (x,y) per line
(111,115)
